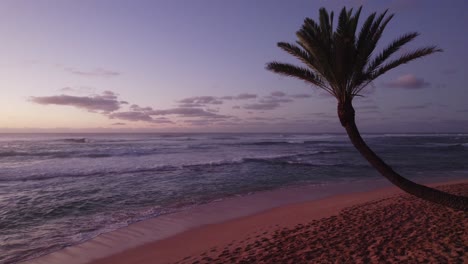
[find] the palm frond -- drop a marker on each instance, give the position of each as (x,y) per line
(342,22)
(344,50)
(354,22)
(325,24)
(363,34)
(378,33)
(298,52)
(301,73)
(364,49)
(370,35)
(390,50)
(382,27)
(376,25)
(419,53)
(309,38)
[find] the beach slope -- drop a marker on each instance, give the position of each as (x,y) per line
(384,225)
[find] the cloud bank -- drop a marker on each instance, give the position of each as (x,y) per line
(106,102)
(98,72)
(408,81)
(196,110)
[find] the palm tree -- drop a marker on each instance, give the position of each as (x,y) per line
(341,63)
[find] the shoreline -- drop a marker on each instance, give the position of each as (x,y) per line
(241,215)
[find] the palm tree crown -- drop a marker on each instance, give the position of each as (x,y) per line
(339,61)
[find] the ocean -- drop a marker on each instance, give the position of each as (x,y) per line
(58,190)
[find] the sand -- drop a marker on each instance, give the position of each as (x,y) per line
(381,226)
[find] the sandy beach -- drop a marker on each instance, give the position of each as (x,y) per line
(379,226)
(350,229)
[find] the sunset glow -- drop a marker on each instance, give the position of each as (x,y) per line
(182,66)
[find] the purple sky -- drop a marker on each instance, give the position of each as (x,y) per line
(188,66)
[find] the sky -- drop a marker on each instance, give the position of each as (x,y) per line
(199,66)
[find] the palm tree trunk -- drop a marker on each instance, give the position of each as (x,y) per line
(346,115)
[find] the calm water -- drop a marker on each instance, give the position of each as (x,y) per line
(57,190)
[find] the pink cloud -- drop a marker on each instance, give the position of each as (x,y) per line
(107,102)
(98,72)
(408,81)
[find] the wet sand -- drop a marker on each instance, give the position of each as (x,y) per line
(381,226)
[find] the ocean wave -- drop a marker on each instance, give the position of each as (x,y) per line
(287,159)
(78,154)
(289,142)
(224,138)
(103,151)
(48,176)
(76,140)
(419,135)
(275,143)
(264,143)
(6,154)
(175,135)
(447,145)
(279,161)
(178,137)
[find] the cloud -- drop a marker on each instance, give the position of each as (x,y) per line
(197,110)
(186,112)
(259,118)
(66,89)
(199,101)
(242,96)
(269,102)
(300,96)
(77,90)
(202,101)
(98,72)
(408,81)
(162,120)
(109,95)
(245,96)
(278,94)
(200,122)
(107,102)
(139,113)
(138,108)
(131,116)
(138,116)
(212,110)
(262,106)
(276,100)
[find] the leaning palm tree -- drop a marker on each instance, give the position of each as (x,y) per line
(340,62)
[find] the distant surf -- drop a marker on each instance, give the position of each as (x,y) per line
(75,140)
(61,189)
